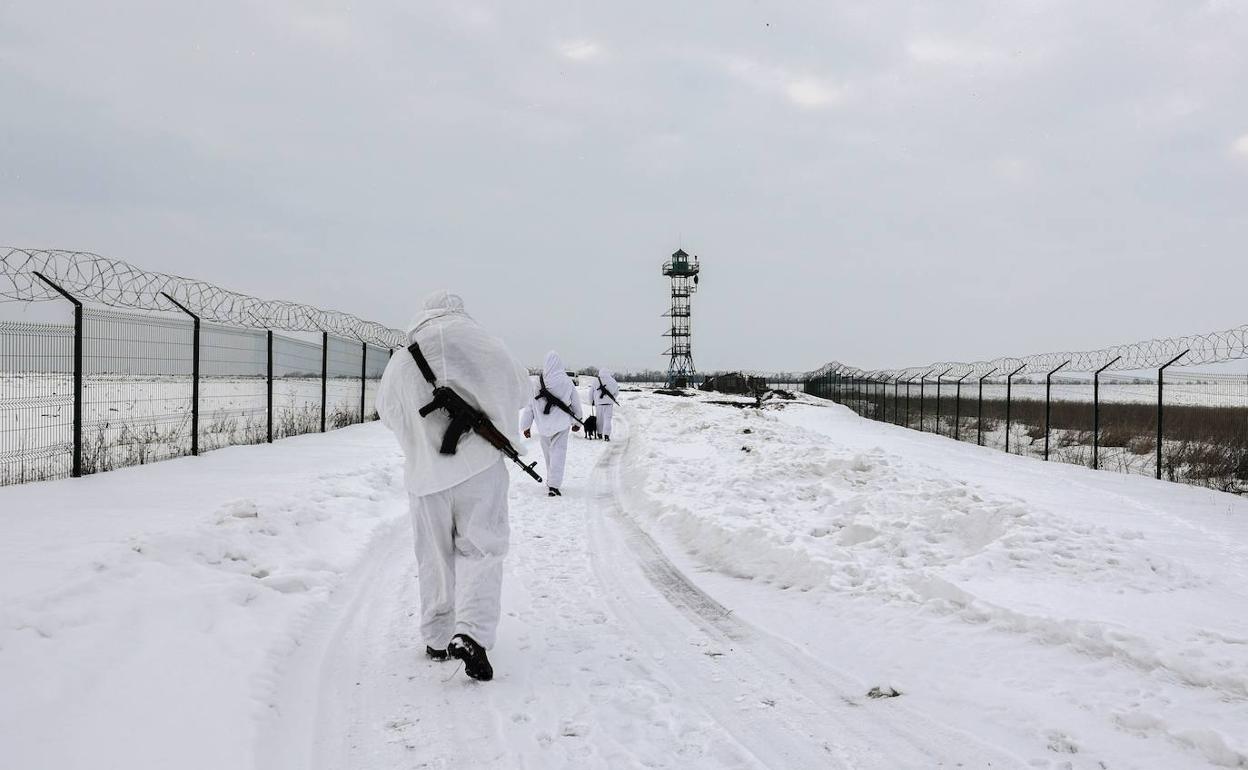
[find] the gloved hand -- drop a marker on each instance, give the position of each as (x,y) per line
(527,433)
(576,429)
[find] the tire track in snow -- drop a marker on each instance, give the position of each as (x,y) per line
(787,708)
(572,689)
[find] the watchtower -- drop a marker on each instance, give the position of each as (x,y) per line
(684,275)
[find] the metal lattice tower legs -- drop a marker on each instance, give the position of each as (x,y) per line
(684,275)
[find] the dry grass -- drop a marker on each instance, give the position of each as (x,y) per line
(1206,445)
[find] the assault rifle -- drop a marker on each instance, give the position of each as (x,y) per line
(464,417)
(602,389)
(552,400)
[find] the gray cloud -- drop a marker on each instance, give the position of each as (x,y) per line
(876,183)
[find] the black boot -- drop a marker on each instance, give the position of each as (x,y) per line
(433,654)
(476,663)
(606,438)
(552,492)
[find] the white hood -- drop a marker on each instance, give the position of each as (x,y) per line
(605,380)
(557,380)
(437,305)
(468,359)
(561,387)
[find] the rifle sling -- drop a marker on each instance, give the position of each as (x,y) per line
(551,399)
(425,369)
(458,426)
(461,423)
(602,391)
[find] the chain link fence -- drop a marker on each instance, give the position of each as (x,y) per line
(153,367)
(1161,408)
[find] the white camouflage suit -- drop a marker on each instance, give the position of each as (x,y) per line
(551,422)
(458,502)
(602,402)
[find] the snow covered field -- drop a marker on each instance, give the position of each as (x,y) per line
(137,420)
(1215,390)
(719,587)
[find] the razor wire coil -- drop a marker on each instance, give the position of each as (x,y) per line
(1194,349)
(113,282)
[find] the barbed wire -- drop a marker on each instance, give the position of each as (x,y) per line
(1211,348)
(91,277)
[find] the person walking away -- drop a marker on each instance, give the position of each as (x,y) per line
(458,501)
(604,396)
(554,410)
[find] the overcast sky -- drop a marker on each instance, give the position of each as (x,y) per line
(880,183)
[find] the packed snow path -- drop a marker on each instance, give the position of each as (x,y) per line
(608,656)
(719,587)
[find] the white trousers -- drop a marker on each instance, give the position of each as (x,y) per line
(604,418)
(461,539)
(555,450)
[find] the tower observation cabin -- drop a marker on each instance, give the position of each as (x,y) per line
(683,271)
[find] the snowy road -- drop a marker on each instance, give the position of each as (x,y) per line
(718,587)
(573,686)
(608,656)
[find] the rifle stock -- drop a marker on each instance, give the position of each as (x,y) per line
(465,417)
(552,401)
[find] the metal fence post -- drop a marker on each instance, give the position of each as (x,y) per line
(979,419)
(194,373)
(1160,411)
(1009,387)
(938,378)
(76,460)
(907,403)
(363,376)
(1048,400)
(324,375)
(897,400)
(269,384)
(922,387)
(1096,414)
(957,408)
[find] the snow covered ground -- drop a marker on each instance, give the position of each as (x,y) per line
(719,587)
(1077,617)
(136,420)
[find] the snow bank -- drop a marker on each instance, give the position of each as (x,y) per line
(145,611)
(1147,575)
